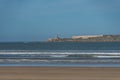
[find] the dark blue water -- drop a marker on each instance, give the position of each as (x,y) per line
(79,54)
(60,46)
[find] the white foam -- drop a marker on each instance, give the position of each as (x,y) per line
(58,56)
(107,56)
(64,53)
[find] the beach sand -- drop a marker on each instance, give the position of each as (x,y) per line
(58,73)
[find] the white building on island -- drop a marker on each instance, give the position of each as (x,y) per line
(86,36)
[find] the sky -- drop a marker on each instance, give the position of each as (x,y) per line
(38,20)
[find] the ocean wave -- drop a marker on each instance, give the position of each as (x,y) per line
(58,53)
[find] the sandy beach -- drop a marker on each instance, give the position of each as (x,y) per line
(58,73)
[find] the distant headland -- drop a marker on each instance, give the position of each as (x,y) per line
(87,38)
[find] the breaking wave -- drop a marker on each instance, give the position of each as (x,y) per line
(59,56)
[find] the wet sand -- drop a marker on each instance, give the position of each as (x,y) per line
(58,73)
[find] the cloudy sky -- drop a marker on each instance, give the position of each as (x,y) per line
(37,20)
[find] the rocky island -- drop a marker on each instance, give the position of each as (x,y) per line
(87,38)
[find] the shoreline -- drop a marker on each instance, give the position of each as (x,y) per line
(59,73)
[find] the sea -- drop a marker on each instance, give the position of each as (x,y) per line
(60,54)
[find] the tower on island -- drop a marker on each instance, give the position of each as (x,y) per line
(55,39)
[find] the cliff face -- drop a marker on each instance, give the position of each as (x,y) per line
(103,38)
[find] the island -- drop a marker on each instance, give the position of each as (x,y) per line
(87,38)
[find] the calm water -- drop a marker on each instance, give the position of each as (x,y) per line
(97,54)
